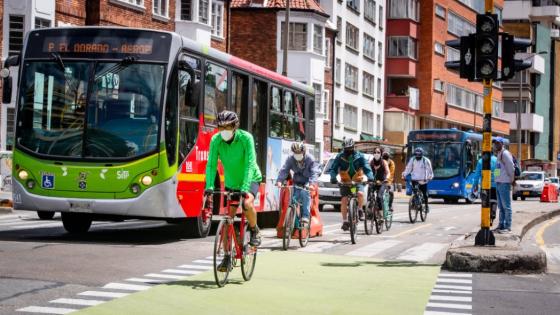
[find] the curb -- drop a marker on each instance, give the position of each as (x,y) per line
(5,210)
(514,257)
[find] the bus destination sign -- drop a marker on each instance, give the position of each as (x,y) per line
(98,45)
(439,136)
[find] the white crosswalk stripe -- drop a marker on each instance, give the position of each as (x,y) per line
(46,310)
(374,249)
(444,313)
(158,275)
(451,294)
(451,298)
(149,281)
(182,272)
(81,302)
(104,294)
(422,252)
(447,280)
(195,267)
(450,305)
(127,287)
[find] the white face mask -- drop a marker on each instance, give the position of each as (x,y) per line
(226,134)
(377,156)
(298,157)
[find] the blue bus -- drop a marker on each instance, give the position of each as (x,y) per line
(454,154)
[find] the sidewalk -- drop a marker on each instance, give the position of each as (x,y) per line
(510,253)
(291,283)
(5,202)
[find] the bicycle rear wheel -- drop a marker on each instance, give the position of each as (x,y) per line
(353,219)
(304,231)
(220,249)
(423,211)
(249,257)
(369,218)
(288,227)
(412,211)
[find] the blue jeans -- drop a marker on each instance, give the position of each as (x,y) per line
(504,203)
(302,196)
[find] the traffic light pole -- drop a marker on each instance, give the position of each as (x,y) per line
(485,235)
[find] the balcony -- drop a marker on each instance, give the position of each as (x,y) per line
(397,124)
(401,67)
(402,27)
(404,100)
(530,122)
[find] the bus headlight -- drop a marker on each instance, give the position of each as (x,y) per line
(135,188)
(23,175)
(455,185)
(147,180)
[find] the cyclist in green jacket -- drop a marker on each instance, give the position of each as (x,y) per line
(236,150)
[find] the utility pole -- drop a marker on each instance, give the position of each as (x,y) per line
(519,132)
(286,39)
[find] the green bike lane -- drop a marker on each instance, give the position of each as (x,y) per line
(291,282)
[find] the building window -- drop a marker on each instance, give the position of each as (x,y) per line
(350,117)
(367,122)
(218,18)
(203,11)
(380,53)
(139,3)
(369,10)
(186,10)
(463,98)
(439,85)
(440,11)
(325,104)
(403,9)
(369,47)
(354,5)
(298,36)
(378,125)
(336,113)
(439,48)
(452,54)
(378,89)
(458,26)
(339,29)
(161,7)
(15,33)
(318,96)
(42,23)
(368,84)
(402,46)
(328,53)
(381,18)
(352,36)
(318,39)
(351,78)
(337,71)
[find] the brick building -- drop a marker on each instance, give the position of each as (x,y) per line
(257,33)
(421,92)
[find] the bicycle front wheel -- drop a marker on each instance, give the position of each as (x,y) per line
(249,257)
(221,248)
(369,218)
(387,214)
(304,231)
(288,227)
(412,211)
(353,220)
(423,212)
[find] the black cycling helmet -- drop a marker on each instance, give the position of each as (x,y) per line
(298,147)
(226,118)
(348,143)
(386,155)
(419,151)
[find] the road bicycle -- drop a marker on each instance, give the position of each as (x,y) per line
(416,205)
(293,222)
(352,209)
(378,212)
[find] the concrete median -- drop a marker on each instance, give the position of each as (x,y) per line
(510,254)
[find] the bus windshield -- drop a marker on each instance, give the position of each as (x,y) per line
(445,157)
(88,109)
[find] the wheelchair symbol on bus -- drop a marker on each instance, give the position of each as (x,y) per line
(47,181)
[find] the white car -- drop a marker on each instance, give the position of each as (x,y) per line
(529,184)
(330,193)
(554,181)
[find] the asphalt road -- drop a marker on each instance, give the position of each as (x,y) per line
(41,264)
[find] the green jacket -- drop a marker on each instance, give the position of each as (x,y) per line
(238,158)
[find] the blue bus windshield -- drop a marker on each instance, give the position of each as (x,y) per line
(445,157)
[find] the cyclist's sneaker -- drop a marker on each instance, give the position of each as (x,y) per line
(304,220)
(427,209)
(345,226)
(361,214)
(255,237)
(225,264)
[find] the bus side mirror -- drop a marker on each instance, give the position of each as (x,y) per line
(11,61)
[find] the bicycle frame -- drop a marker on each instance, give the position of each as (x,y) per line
(230,233)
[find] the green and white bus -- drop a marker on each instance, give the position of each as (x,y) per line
(115,123)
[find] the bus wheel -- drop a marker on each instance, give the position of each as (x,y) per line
(76,223)
(196,227)
(470,199)
(45,215)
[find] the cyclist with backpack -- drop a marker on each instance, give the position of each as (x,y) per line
(420,170)
(390,178)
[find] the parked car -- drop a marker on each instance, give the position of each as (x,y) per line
(554,181)
(529,184)
(330,193)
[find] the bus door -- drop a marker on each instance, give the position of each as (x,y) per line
(259,120)
(190,89)
(240,98)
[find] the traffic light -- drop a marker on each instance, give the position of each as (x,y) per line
(487,31)
(510,65)
(467,47)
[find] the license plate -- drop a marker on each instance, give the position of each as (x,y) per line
(526,193)
(80,207)
(432,192)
